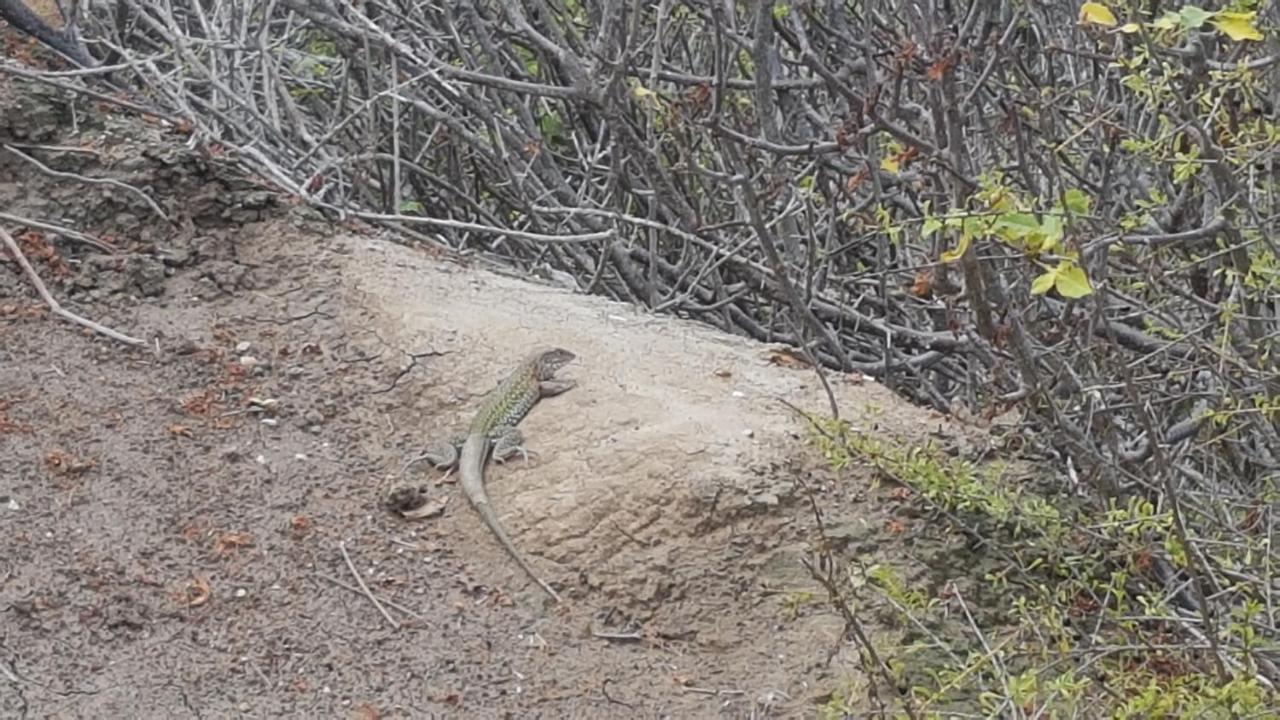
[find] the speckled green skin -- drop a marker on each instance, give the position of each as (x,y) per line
(494,428)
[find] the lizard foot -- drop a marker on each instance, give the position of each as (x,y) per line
(508,453)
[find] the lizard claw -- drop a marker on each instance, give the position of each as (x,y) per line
(507,455)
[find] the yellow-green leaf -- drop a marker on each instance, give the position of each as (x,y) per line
(1076,201)
(1071,282)
(890,164)
(1237,25)
(1167,21)
(954,255)
(931,225)
(1041,284)
(1129,28)
(1097,13)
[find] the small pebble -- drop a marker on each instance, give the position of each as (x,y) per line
(248,360)
(243,346)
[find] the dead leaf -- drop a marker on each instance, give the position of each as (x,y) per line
(198,592)
(228,542)
(1142,560)
(430,508)
(300,525)
(787,358)
(63,464)
(452,698)
(895,527)
(192,531)
(923,286)
(200,404)
(856,179)
(181,431)
(940,68)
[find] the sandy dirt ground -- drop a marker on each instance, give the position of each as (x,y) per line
(182,525)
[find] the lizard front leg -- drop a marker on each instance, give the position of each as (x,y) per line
(548,388)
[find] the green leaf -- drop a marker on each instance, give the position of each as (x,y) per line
(408,206)
(1167,21)
(1097,13)
(1076,201)
(931,225)
(1192,17)
(1018,225)
(1237,25)
(1071,282)
(1052,233)
(974,225)
(954,255)
(1043,283)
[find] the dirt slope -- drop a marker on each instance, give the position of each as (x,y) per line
(173,520)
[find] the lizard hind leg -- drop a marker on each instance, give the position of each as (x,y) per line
(443,454)
(508,442)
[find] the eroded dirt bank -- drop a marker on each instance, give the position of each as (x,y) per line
(176,521)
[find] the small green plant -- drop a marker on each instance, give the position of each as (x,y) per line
(1070,587)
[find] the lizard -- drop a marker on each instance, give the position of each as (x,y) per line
(494,429)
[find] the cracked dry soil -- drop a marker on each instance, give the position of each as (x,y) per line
(179,524)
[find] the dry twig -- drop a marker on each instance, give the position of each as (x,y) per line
(342,546)
(53,304)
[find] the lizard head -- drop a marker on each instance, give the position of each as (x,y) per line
(551,360)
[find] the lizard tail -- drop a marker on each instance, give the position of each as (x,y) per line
(483,507)
(474,454)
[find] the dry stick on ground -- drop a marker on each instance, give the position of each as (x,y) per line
(53,304)
(64,231)
(360,581)
(389,603)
